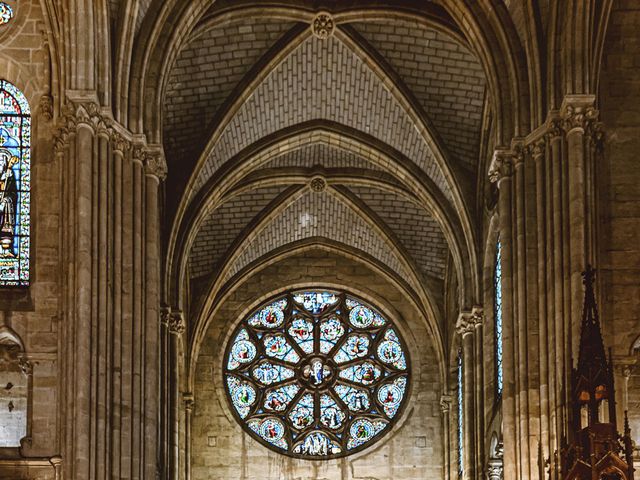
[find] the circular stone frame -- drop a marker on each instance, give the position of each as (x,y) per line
(258,418)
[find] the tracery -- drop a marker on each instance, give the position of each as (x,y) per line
(316,374)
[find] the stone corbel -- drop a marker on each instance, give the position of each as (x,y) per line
(189,402)
(46,107)
(155,165)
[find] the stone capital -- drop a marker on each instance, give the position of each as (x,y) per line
(578,113)
(119,143)
(445,403)
(465,324)
(501,165)
(173,320)
(155,165)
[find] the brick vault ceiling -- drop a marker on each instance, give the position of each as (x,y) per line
(321,80)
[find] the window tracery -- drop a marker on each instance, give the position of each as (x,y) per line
(316,374)
(15,186)
(6,13)
(460,426)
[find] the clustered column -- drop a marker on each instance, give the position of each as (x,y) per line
(110,249)
(546,212)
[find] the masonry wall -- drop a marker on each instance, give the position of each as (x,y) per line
(619,181)
(33,313)
(413,450)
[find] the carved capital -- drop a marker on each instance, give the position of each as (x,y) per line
(46,107)
(176,323)
(477,316)
(323,25)
(554,130)
(86,114)
(537,149)
(61,141)
(578,113)
(495,470)
(465,324)
(119,143)
(501,165)
(445,403)
(155,165)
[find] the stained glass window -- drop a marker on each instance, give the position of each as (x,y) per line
(497,280)
(460,418)
(15,186)
(6,13)
(316,374)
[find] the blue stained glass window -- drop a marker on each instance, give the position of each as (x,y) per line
(497,280)
(6,13)
(316,374)
(15,186)
(460,418)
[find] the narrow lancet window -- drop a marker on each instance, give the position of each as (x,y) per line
(497,280)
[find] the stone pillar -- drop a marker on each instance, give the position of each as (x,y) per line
(176,327)
(155,170)
(188,409)
(445,409)
(578,114)
(500,171)
(465,327)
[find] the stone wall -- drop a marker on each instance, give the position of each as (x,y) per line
(413,450)
(33,313)
(619,182)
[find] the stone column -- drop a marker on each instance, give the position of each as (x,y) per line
(465,328)
(155,171)
(578,114)
(477,318)
(445,409)
(188,409)
(501,172)
(176,327)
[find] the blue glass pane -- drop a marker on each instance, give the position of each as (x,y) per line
(268,373)
(364,373)
(277,346)
(271,429)
(356,399)
(331,415)
(317,444)
(390,351)
(316,302)
(271,316)
(363,430)
(278,399)
(331,331)
(498,316)
(301,415)
(390,396)
(356,346)
(460,418)
(301,330)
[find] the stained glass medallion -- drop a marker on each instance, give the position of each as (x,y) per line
(15,186)
(316,374)
(6,13)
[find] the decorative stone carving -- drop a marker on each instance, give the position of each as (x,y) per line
(578,116)
(318,184)
(189,401)
(465,324)
(323,25)
(445,404)
(554,129)
(501,165)
(155,165)
(46,107)
(26,366)
(176,323)
(119,143)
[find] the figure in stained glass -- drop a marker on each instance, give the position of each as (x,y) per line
(329,371)
(15,133)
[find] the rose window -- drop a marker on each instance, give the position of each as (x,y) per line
(316,374)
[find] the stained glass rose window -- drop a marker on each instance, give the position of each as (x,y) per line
(316,374)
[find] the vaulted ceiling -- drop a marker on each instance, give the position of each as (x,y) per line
(364,140)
